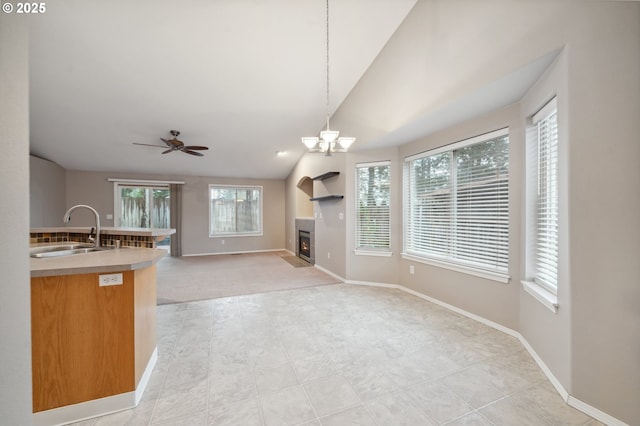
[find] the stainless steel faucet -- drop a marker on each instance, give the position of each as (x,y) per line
(67,218)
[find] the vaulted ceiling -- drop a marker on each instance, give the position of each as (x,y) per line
(247,78)
(244,77)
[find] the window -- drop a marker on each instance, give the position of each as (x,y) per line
(542,198)
(235,210)
(372,208)
(457,206)
(142,206)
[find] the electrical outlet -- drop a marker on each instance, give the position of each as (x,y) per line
(110,279)
(341,216)
(328,255)
(109,216)
(222,242)
(411,269)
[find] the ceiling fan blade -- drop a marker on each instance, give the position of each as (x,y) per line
(168,143)
(192,152)
(197,147)
(168,151)
(147,144)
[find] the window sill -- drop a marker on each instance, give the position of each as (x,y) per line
(490,275)
(380,253)
(548,299)
(259,234)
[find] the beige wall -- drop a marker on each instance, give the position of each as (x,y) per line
(330,249)
(93,188)
(490,299)
(549,333)
(47,192)
(369,268)
(604,207)
(592,345)
(15,305)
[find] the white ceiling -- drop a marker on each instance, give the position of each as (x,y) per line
(244,77)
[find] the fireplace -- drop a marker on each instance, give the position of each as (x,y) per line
(304,244)
(304,237)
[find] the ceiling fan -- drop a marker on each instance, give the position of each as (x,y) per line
(177,145)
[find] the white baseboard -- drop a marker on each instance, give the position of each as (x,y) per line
(570,400)
(97,407)
(328,272)
(233,252)
(601,416)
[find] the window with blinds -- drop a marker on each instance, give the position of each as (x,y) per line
(372,206)
(457,203)
(542,182)
(235,210)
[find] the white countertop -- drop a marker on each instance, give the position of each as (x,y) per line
(108,230)
(122,259)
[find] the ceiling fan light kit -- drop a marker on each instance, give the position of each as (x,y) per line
(177,145)
(328,141)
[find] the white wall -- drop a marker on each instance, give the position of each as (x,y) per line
(47,192)
(15,317)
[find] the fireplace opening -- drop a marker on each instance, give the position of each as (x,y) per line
(304,244)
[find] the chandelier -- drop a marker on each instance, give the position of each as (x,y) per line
(328,141)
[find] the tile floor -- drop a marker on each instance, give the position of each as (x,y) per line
(338,355)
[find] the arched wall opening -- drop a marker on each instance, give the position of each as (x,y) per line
(304,207)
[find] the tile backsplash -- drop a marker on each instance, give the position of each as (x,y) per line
(105,239)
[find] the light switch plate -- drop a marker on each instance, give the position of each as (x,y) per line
(110,279)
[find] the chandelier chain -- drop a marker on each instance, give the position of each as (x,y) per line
(327,22)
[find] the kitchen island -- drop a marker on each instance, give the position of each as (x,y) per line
(93,321)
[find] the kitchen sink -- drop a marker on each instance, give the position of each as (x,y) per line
(65,249)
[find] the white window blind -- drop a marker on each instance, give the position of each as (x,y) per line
(457,203)
(235,210)
(372,208)
(543,173)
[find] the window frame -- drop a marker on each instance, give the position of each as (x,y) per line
(256,233)
(146,185)
(448,261)
(544,291)
(370,250)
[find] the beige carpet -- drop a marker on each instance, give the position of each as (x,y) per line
(185,279)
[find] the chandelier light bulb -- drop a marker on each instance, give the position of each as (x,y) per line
(310,142)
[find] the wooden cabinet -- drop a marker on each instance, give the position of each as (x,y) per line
(88,341)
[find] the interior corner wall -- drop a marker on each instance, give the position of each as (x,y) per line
(47,193)
(15,296)
(495,301)
(597,361)
(330,249)
(604,207)
(548,333)
(374,269)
